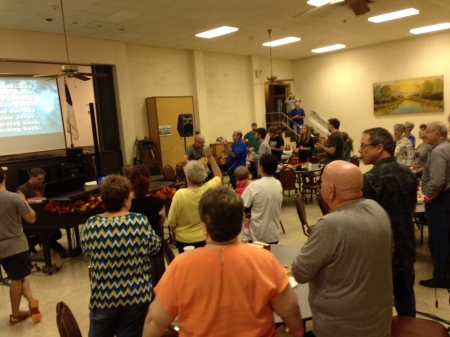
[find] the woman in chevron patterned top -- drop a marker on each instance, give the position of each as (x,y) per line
(118,243)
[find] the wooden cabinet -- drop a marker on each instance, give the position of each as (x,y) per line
(218,149)
(163,112)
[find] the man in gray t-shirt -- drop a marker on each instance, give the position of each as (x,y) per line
(264,147)
(195,151)
(347,260)
(14,255)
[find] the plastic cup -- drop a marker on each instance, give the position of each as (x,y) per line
(188,248)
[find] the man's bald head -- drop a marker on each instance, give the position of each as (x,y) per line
(342,182)
(199,141)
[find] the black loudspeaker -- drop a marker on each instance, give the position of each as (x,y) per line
(75,155)
(185,125)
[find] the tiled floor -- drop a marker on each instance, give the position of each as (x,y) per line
(71,283)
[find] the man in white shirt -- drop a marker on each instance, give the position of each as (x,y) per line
(263,198)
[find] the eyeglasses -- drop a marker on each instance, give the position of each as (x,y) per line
(363,146)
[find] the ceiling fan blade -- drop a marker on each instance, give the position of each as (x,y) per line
(305,11)
(93,74)
(285,79)
(46,75)
(81,77)
(359,7)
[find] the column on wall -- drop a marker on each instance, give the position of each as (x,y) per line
(259,111)
(200,100)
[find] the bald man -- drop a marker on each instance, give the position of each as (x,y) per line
(195,151)
(347,260)
(237,154)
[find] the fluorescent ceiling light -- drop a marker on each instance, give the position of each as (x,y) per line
(217,32)
(394,15)
(329,48)
(427,29)
(317,3)
(280,42)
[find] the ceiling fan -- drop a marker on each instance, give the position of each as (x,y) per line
(359,7)
(70,70)
(273,79)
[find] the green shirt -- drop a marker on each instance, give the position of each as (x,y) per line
(338,142)
(252,142)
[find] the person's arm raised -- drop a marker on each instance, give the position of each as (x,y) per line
(212,161)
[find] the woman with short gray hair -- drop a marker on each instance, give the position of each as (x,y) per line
(403,146)
(184,218)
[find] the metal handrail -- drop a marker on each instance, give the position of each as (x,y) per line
(313,121)
(281,123)
(319,116)
(280,120)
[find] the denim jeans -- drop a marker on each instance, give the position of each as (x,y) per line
(297,128)
(122,321)
(437,214)
(404,297)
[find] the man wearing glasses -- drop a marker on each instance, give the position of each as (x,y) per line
(195,151)
(394,187)
(33,188)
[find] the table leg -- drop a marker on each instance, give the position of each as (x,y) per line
(77,250)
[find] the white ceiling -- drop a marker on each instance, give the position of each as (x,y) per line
(173,24)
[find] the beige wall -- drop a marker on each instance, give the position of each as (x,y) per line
(227,95)
(340,84)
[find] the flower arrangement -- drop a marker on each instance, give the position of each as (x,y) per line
(79,206)
(165,193)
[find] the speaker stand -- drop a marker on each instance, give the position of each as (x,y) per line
(184,144)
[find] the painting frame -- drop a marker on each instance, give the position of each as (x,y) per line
(412,95)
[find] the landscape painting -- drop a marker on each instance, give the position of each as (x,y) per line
(422,94)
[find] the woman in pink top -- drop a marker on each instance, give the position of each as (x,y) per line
(226,288)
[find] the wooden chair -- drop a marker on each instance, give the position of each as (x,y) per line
(168,252)
(170,175)
(323,205)
(354,160)
(66,322)
(310,186)
(404,326)
(302,214)
(180,172)
(287,178)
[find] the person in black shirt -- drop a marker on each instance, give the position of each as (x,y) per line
(394,187)
(154,209)
(276,142)
(305,144)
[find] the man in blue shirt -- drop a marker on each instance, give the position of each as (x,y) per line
(298,114)
(237,154)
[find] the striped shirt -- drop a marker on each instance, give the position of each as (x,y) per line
(118,248)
